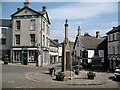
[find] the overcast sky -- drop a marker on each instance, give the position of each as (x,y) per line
(90,16)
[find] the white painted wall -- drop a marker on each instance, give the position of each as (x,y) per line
(60,51)
(90,55)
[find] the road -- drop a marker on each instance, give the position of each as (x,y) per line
(14,76)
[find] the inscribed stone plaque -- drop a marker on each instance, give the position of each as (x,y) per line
(68,61)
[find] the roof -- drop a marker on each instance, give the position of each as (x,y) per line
(23,9)
(75,42)
(115,29)
(5,22)
(37,12)
(53,43)
(89,42)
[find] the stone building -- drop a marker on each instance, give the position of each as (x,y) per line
(30,36)
(114,47)
(5,37)
(90,51)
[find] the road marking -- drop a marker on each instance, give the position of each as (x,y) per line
(27,77)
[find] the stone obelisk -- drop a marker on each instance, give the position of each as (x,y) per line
(66,52)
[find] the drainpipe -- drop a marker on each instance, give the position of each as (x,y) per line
(41,45)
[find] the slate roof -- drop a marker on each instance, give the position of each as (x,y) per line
(115,29)
(89,42)
(5,22)
(53,43)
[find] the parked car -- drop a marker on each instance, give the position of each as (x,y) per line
(117,72)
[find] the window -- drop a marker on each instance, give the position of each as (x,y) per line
(109,50)
(17,56)
(47,41)
(113,37)
(43,40)
(17,39)
(4,31)
(48,30)
(32,56)
(109,38)
(3,41)
(118,36)
(18,25)
(113,50)
(80,53)
(43,25)
(118,48)
(32,25)
(32,36)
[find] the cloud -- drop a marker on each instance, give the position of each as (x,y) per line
(61,0)
(81,10)
(90,16)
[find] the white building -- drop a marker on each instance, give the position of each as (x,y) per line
(114,47)
(5,37)
(89,50)
(53,51)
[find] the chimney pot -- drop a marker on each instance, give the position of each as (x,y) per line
(78,30)
(26,3)
(98,34)
(113,27)
(44,8)
(18,9)
(86,34)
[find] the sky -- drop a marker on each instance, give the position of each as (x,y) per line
(90,16)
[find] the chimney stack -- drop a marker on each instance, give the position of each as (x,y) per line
(98,34)
(44,8)
(78,30)
(18,9)
(66,31)
(26,3)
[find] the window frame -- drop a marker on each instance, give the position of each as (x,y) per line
(5,31)
(18,24)
(17,39)
(32,24)
(3,42)
(32,39)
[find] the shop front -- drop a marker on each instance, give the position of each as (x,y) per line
(24,55)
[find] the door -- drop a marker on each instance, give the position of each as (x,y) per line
(24,57)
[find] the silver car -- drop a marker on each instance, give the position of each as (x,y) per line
(117,72)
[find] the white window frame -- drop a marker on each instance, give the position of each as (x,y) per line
(16,39)
(32,39)
(18,24)
(32,24)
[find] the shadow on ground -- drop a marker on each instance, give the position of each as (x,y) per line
(114,79)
